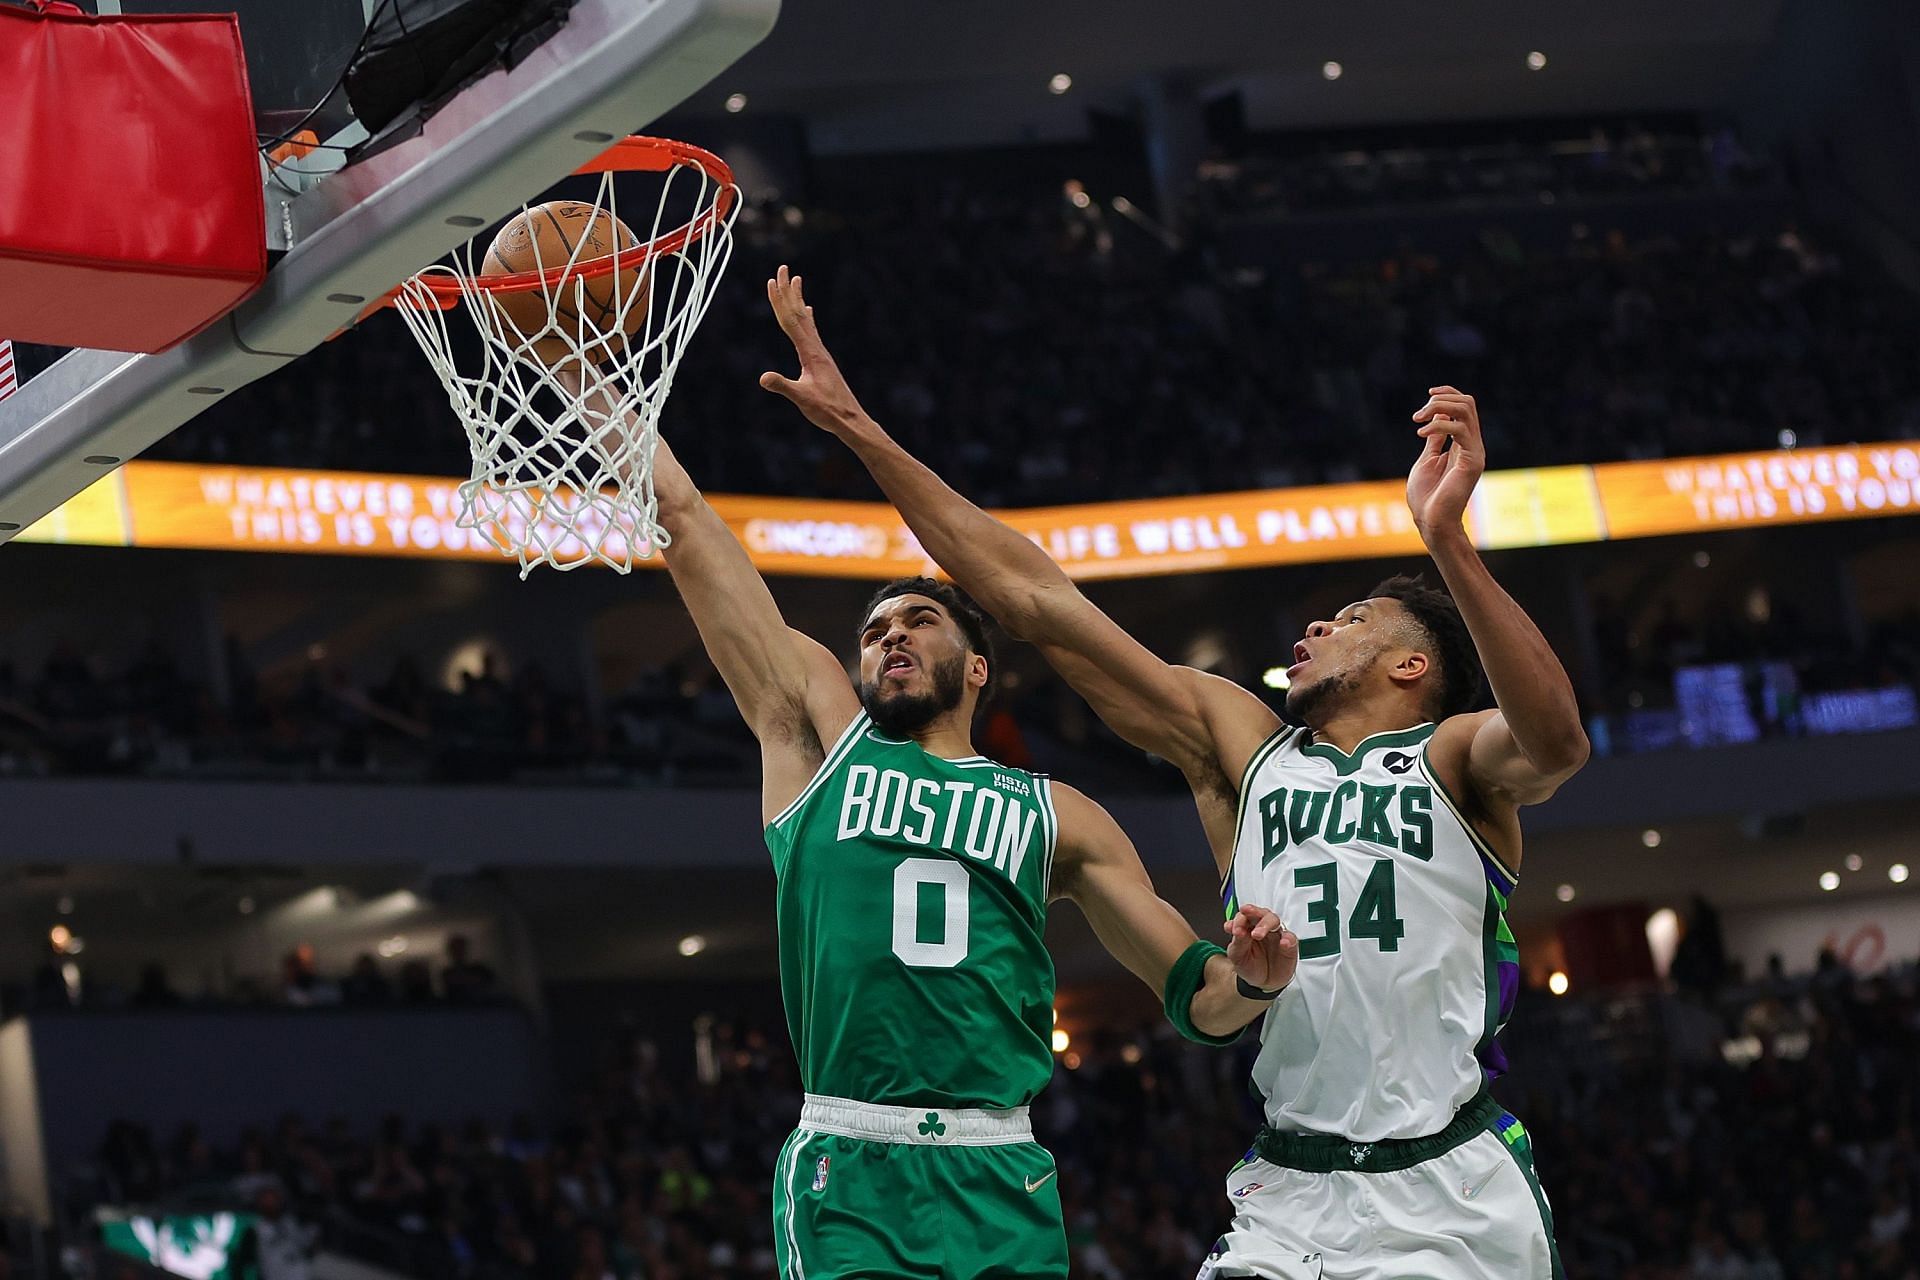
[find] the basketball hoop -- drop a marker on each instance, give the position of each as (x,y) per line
(561,403)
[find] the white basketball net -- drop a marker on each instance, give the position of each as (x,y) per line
(563,463)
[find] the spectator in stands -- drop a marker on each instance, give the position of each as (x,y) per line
(393,1192)
(190,1157)
(56,982)
(154,992)
(302,984)
(133,1171)
(466,980)
(1700,961)
(591,1249)
(490,679)
(365,984)
(284,1246)
(416,983)
(405,692)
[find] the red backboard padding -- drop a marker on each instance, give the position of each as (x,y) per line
(131,211)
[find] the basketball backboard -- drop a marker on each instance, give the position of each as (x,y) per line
(295,55)
(351,231)
(295,52)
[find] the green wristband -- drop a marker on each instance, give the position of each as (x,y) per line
(1183,983)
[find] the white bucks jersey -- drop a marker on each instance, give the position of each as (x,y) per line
(1407,969)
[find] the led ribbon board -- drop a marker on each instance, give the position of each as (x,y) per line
(161,504)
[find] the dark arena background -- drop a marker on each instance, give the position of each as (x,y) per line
(369,913)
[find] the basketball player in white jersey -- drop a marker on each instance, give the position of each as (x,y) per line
(1382,826)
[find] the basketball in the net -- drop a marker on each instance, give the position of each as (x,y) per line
(596,314)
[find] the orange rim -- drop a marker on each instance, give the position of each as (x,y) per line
(629,155)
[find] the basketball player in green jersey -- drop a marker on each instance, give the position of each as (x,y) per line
(913,881)
(1382,825)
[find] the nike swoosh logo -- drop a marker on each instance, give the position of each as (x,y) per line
(1469,1192)
(1033,1186)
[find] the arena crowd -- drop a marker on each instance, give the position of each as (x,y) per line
(1763,1131)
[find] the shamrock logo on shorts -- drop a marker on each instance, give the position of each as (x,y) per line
(931,1127)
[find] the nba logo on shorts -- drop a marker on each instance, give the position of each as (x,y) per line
(1248,1190)
(820,1173)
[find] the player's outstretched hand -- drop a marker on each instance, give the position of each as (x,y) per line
(1264,951)
(1443,477)
(820,392)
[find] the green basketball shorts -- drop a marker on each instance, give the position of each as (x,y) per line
(915,1193)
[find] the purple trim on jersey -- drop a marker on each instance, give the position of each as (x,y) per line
(1493,1061)
(1501,881)
(1506,958)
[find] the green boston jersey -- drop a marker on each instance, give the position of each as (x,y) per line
(911,906)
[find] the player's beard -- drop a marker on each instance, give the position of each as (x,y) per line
(899,714)
(1307,704)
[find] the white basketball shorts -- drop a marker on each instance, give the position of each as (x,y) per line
(1474,1211)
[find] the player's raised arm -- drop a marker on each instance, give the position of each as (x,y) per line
(1521,753)
(1204,989)
(1201,723)
(794,694)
